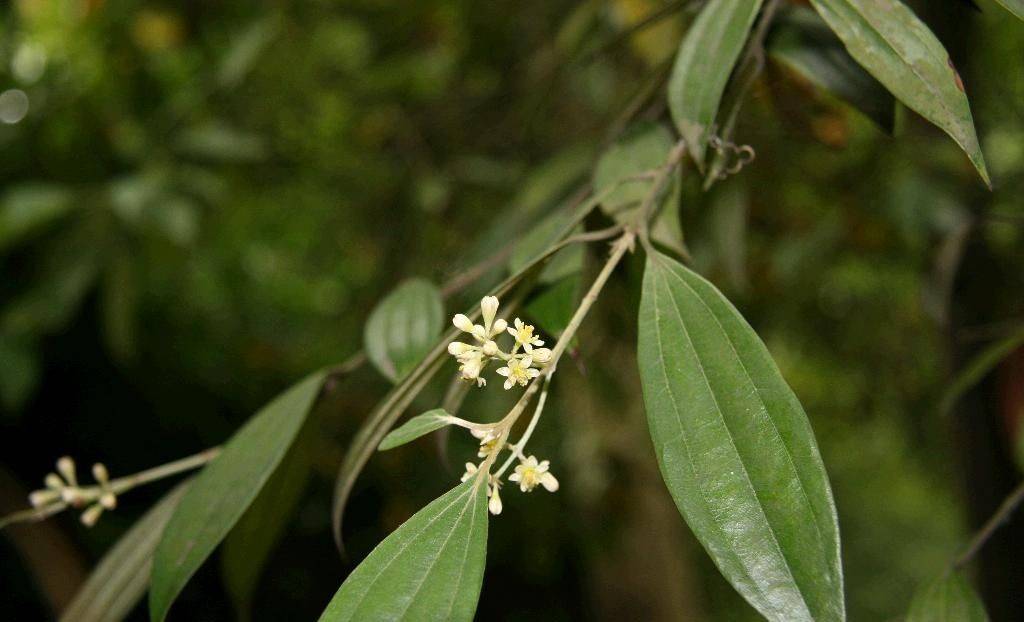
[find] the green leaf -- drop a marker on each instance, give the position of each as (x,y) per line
(28,208)
(947,599)
(404,327)
(250,543)
(416,427)
(542,237)
(728,221)
(736,450)
(430,568)
(118,582)
(979,367)
(803,43)
(224,489)
(642,148)
(706,57)
(888,40)
(1014,6)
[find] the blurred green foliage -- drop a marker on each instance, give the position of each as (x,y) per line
(204,200)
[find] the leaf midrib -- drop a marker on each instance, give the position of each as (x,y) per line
(743,466)
(689,454)
(405,545)
(764,409)
(927,84)
(472,502)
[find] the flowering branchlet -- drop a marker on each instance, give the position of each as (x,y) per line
(62,487)
(521,366)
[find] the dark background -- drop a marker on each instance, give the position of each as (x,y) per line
(205,199)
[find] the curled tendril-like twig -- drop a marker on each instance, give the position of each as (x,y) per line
(734,156)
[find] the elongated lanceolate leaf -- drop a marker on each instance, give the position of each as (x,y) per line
(803,43)
(706,58)
(888,40)
(430,568)
(254,537)
(120,579)
(403,327)
(736,450)
(415,428)
(1014,6)
(947,599)
(225,488)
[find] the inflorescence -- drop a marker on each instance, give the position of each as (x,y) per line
(523,362)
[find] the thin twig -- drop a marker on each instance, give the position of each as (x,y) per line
(1002,514)
(89,494)
(124,484)
(649,208)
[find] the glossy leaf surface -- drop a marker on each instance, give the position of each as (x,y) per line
(736,450)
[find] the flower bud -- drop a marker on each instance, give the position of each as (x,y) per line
(99,471)
(91,515)
(462,323)
(494,504)
(66,467)
(40,498)
(488,308)
(490,348)
(457,348)
(541,355)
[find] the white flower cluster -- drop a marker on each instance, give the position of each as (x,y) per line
(519,366)
(63,487)
(529,473)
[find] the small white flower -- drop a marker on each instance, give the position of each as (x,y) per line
(488,447)
(523,334)
(488,441)
(518,372)
(494,504)
(470,471)
(490,348)
(529,473)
